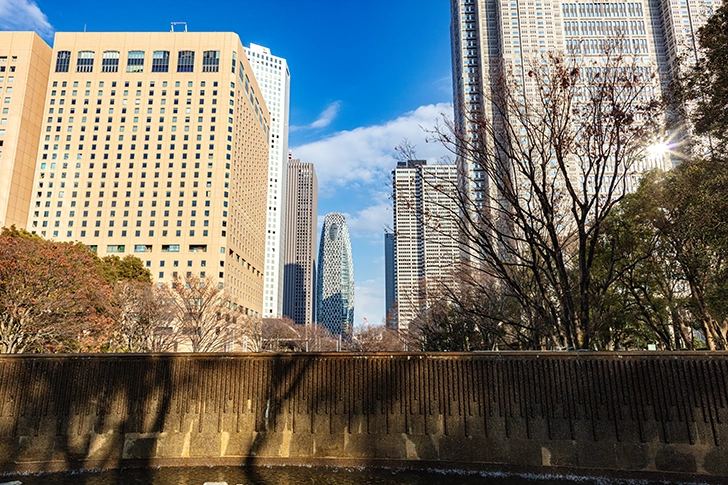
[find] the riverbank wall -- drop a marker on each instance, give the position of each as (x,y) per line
(629,414)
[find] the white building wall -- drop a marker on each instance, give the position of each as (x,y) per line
(274,78)
(426,250)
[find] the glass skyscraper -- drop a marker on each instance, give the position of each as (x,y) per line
(335,281)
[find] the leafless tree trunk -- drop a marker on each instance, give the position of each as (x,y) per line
(557,154)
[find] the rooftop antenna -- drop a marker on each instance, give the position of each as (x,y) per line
(178,23)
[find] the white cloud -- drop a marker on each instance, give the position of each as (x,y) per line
(24,15)
(369,302)
(371,221)
(365,155)
(327,116)
(368,223)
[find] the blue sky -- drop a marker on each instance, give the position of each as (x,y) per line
(364,75)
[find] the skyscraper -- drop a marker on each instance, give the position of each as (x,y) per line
(274,80)
(489,37)
(24,64)
(300,255)
(426,250)
(335,279)
(156,145)
(390,281)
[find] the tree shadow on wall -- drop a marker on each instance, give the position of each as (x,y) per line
(80,412)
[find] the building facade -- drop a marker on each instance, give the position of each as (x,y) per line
(274,81)
(489,37)
(390,282)
(299,301)
(156,145)
(24,64)
(335,277)
(426,250)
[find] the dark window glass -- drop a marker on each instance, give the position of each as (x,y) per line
(110,61)
(210,61)
(85,61)
(160,61)
(186,61)
(63,61)
(135,61)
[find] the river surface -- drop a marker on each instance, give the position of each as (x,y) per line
(299,476)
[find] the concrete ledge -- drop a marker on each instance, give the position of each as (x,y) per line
(627,415)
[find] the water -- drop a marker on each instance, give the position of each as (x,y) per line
(301,476)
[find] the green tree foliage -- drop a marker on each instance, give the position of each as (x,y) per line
(51,299)
(672,277)
(114,269)
(707,81)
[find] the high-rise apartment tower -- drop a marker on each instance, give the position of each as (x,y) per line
(489,37)
(156,145)
(390,281)
(300,255)
(24,64)
(335,279)
(274,81)
(426,250)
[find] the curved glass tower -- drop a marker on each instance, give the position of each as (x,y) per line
(335,279)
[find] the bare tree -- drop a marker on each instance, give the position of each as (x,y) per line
(283,335)
(376,338)
(147,315)
(206,317)
(558,153)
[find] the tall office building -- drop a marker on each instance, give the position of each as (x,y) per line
(300,255)
(335,279)
(24,64)
(426,250)
(274,81)
(156,145)
(489,37)
(390,281)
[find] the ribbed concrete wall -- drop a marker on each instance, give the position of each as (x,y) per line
(637,412)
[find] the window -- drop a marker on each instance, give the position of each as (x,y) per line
(142,248)
(115,249)
(210,61)
(170,248)
(186,61)
(160,61)
(85,61)
(110,61)
(135,61)
(63,61)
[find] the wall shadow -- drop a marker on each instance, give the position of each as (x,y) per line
(621,412)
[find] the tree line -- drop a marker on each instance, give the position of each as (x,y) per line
(61,297)
(574,245)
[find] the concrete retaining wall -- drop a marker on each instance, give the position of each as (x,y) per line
(635,412)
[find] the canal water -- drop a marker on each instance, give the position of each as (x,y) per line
(299,476)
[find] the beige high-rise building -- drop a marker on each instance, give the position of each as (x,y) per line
(300,256)
(24,63)
(426,249)
(156,145)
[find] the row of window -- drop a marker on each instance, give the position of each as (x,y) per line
(135,61)
(635,27)
(606,46)
(602,9)
(166,248)
(127,84)
(69,234)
